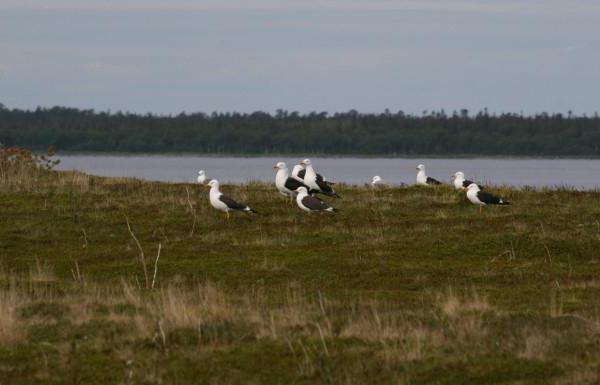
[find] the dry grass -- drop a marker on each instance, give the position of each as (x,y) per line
(536,345)
(41,272)
(586,376)
(311,327)
(11,331)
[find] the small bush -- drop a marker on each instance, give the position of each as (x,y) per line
(21,168)
(17,161)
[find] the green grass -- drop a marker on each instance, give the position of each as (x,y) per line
(404,286)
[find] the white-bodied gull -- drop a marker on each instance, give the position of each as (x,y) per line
(460,183)
(224,203)
(285,184)
(315,181)
(423,179)
(378,181)
(298,172)
(482,198)
(311,204)
(201,177)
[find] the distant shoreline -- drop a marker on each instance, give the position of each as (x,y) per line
(349,134)
(316,155)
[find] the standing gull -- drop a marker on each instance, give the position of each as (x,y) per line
(298,173)
(460,183)
(315,181)
(482,198)
(423,179)
(311,204)
(378,181)
(287,186)
(224,203)
(201,177)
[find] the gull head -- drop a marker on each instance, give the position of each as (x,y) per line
(421,167)
(213,183)
(473,186)
(376,179)
(305,162)
(280,166)
(459,174)
(201,172)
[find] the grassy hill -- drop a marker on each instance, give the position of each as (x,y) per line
(119,281)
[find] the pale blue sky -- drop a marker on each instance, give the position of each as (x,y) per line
(167,57)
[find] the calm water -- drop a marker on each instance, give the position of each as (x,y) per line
(579,173)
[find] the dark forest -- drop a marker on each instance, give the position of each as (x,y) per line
(353,133)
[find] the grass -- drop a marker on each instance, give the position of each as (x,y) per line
(404,286)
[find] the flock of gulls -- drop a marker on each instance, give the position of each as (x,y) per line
(304,183)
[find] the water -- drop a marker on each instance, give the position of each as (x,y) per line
(577,173)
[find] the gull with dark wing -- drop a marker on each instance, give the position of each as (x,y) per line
(286,185)
(223,202)
(311,204)
(482,198)
(316,181)
(298,173)
(423,179)
(460,183)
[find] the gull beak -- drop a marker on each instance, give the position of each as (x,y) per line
(275,168)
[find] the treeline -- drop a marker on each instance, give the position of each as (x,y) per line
(387,133)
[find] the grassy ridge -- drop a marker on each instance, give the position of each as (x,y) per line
(405,285)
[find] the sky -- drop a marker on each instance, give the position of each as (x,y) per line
(166,57)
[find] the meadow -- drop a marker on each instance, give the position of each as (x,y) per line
(121,281)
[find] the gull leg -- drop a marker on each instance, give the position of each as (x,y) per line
(480,206)
(227,214)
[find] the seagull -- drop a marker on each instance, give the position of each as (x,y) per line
(224,203)
(311,204)
(286,185)
(377,181)
(315,181)
(423,179)
(482,198)
(460,183)
(201,177)
(298,173)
